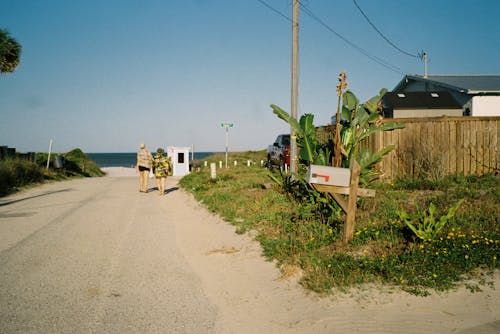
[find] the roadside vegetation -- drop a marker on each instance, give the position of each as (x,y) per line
(302,235)
(416,234)
(16,173)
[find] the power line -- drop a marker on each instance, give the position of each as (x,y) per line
(358,48)
(382,35)
(274,10)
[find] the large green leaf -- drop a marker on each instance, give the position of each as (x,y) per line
(369,160)
(372,104)
(373,118)
(350,100)
(306,124)
(346,114)
(391,126)
(308,138)
(361,117)
(286,117)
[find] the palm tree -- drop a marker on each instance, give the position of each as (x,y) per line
(10,52)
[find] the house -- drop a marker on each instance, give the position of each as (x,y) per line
(444,95)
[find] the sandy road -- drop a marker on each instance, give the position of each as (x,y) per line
(97,256)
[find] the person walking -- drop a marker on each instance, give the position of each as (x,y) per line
(161,165)
(144,164)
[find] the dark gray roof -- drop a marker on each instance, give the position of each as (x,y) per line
(470,84)
(420,100)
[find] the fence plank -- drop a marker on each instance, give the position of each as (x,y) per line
(453,145)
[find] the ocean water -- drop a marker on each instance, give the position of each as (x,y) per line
(129,159)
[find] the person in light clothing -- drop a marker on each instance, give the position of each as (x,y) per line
(161,166)
(144,165)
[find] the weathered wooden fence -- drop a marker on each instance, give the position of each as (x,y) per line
(435,147)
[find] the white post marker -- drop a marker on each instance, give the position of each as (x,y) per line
(220,164)
(50,150)
(213,173)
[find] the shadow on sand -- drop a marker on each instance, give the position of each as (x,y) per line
(167,191)
(27,198)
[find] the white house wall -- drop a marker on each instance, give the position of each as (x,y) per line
(486,106)
(414,113)
(180,168)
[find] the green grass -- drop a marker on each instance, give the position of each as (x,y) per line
(16,173)
(384,250)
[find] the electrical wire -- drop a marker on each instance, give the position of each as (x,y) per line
(382,35)
(358,48)
(274,10)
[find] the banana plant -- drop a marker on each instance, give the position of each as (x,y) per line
(360,121)
(310,150)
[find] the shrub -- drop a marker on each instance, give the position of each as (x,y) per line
(17,173)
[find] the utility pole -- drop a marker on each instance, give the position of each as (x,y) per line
(425,64)
(295,84)
(423,56)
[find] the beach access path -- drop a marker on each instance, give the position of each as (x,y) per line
(96,256)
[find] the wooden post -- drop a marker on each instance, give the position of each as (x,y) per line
(351,204)
(337,158)
(339,188)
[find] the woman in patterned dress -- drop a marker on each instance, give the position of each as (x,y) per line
(161,165)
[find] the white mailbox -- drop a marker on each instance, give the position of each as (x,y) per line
(333,176)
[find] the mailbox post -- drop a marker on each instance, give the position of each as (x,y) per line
(340,181)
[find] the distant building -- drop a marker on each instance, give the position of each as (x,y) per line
(444,95)
(179,157)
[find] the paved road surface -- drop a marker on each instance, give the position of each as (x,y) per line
(94,256)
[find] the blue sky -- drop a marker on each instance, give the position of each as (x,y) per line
(106,75)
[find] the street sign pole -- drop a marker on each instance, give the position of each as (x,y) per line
(227,126)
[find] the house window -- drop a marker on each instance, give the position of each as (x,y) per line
(401,95)
(434,95)
(180,157)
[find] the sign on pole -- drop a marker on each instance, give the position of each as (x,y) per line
(227,126)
